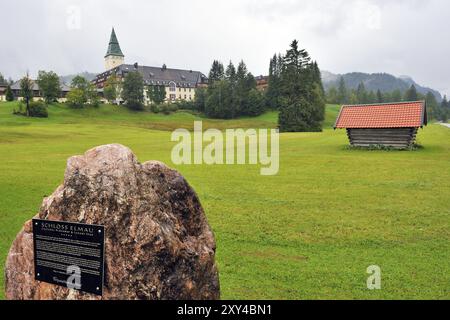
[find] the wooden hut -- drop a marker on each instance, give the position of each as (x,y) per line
(392,125)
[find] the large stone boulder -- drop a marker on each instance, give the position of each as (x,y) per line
(158,242)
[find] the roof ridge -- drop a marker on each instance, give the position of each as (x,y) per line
(174,69)
(383,104)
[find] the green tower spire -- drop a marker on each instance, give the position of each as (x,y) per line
(114,47)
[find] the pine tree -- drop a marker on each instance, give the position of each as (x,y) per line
(273,90)
(396,96)
(432,105)
(361,93)
(302,104)
(444,110)
(9,94)
(411,94)
(230,73)
(2,80)
(242,90)
(317,77)
(133,91)
(342,94)
(332,96)
(217,72)
(380,97)
(371,97)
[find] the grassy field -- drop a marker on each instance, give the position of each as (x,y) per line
(309,232)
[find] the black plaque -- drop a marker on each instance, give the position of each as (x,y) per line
(69,254)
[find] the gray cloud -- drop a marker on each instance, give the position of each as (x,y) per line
(406,37)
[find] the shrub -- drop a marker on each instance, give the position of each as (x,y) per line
(154,108)
(38,109)
(186,105)
(76,98)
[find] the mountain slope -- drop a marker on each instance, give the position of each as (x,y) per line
(382,81)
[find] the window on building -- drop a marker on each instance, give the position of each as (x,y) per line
(172,86)
(173,97)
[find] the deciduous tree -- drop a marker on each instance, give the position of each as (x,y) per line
(49,86)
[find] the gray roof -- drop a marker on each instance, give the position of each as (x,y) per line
(16,86)
(160,75)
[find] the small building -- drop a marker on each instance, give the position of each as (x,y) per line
(3,92)
(392,125)
(37,95)
(262,83)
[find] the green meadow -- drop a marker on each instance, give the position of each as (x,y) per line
(309,232)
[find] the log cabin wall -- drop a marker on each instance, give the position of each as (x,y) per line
(399,138)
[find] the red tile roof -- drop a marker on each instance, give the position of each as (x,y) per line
(387,115)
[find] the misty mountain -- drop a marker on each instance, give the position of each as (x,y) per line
(383,81)
(87,75)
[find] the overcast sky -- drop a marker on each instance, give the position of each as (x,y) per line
(402,37)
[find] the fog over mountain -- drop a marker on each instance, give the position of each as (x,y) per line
(376,81)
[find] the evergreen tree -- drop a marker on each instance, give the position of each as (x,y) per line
(200,99)
(411,94)
(133,91)
(444,110)
(244,84)
(302,104)
(217,72)
(317,77)
(218,104)
(3,80)
(255,103)
(332,96)
(9,94)
(371,97)
(296,78)
(361,93)
(231,77)
(342,94)
(273,91)
(230,73)
(432,105)
(396,96)
(380,97)
(353,98)
(49,86)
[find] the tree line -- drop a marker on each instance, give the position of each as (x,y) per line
(342,95)
(231,93)
(295,89)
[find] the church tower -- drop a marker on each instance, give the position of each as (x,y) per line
(114,57)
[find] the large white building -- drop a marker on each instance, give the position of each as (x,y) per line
(179,84)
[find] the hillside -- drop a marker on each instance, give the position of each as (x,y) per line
(309,232)
(121,116)
(383,81)
(88,75)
